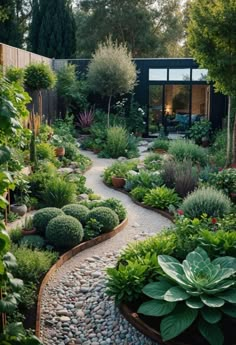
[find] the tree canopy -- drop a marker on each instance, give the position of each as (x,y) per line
(149,28)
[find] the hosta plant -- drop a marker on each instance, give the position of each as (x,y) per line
(161,197)
(198,290)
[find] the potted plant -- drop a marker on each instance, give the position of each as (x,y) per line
(119,177)
(160,145)
(21,197)
(28,228)
(58,143)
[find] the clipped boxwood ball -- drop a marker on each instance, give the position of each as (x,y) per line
(42,218)
(64,232)
(105,216)
(77,211)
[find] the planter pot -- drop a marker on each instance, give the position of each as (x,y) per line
(19,209)
(118,182)
(60,151)
(28,232)
(160,151)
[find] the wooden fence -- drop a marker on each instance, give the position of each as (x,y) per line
(10,56)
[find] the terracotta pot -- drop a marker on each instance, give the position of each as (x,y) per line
(160,151)
(60,151)
(19,209)
(28,232)
(118,182)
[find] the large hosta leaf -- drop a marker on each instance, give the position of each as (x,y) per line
(219,287)
(225,262)
(211,315)
(8,304)
(179,320)
(229,295)
(212,301)
(194,303)
(5,154)
(229,309)
(175,294)
(212,333)
(156,290)
(156,308)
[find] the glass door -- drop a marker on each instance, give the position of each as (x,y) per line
(155,110)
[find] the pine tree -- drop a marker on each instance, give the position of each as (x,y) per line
(10,29)
(52,31)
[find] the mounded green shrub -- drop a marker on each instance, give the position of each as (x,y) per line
(104,215)
(138,193)
(208,200)
(33,241)
(186,149)
(161,197)
(77,211)
(42,218)
(64,232)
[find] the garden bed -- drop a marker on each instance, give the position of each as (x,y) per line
(66,257)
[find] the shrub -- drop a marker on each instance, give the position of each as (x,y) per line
(153,161)
(32,264)
(45,151)
(162,198)
(186,178)
(145,179)
(117,142)
(185,149)
(77,211)
(199,130)
(33,241)
(206,200)
(39,76)
(105,216)
(138,193)
(225,180)
(160,144)
(58,192)
(15,235)
(64,232)
(218,148)
(92,229)
(206,172)
(42,218)
(71,150)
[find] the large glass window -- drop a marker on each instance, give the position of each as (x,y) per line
(199,74)
(200,101)
(155,108)
(179,74)
(177,114)
(158,74)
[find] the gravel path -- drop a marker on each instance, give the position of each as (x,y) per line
(75,308)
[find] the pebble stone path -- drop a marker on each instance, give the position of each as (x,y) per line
(75,307)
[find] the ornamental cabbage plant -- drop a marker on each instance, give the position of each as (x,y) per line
(198,290)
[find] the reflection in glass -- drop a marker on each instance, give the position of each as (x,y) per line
(177,108)
(158,74)
(199,74)
(179,74)
(201,100)
(155,108)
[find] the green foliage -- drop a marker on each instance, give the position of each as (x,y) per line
(32,264)
(218,148)
(33,241)
(33,152)
(197,289)
(225,180)
(118,169)
(92,229)
(65,129)
(138,193)
(145,179)
(104,216)
(14,334)
(136,118)
(79,180)
(160,144)
(39,76)
(58,192)
(153,161)
(117,142)
(162,198)
(77,211)
(199,130)
(206,200)
(64,232)
(15,75)
(205,174)
(185,149)
(42,218)
(15,235)
(45,151)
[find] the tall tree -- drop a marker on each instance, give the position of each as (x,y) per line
(212,41)
(10,29)
(52,30)
(146,26)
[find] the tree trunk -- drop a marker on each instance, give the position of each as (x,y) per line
(228,133)
(108,112)
(234,142)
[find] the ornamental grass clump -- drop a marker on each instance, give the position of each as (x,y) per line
(117,142)
(64,232)
(198,290)
(208,201)
(186,149)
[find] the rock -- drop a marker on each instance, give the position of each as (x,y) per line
(65,171)
(122,159)
(83,196)
(64,319)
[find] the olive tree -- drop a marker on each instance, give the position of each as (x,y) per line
(212,41)
(111,71)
